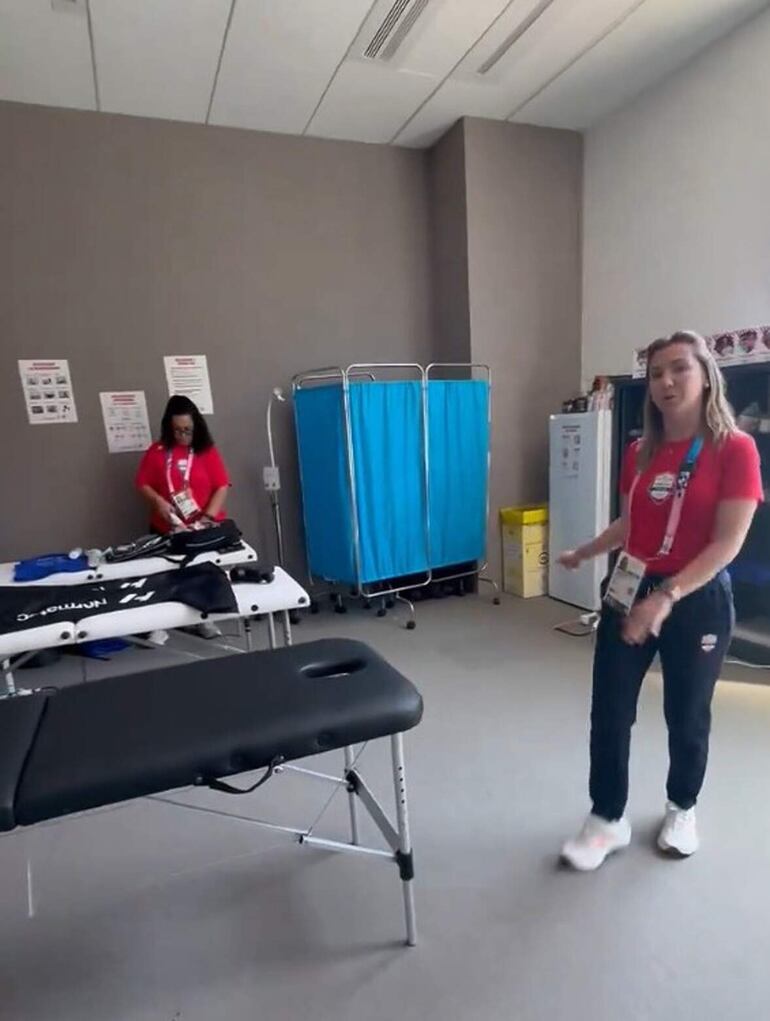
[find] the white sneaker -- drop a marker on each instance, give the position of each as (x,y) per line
(207,629)
(678,832)
(158,637)
(597,839)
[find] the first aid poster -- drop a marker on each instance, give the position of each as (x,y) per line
(48,393)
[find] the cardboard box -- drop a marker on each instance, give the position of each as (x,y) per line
(525,550)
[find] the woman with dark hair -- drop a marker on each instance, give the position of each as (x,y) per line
(182,477)
(690,488)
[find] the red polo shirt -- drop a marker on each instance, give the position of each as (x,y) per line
(730,471)
(207,474)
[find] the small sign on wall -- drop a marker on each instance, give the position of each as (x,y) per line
(749,346)
(189,375)
(47,387)
(125,420)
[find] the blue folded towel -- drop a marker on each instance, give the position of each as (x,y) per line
(42,567)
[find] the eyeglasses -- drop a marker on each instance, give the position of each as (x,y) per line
(185,430)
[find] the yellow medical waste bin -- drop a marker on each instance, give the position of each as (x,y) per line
(525,549)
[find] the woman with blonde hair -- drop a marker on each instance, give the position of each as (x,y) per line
(689,488)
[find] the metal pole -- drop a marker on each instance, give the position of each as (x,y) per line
(404,838)
(355,532)
(351,799)
(10,686)
(271,630)
(286,628)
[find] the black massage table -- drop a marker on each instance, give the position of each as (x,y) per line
(109,741)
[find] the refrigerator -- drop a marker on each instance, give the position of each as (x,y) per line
(580,484)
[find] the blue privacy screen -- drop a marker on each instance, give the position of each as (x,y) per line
(409,515)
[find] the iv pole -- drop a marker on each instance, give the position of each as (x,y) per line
(272,481)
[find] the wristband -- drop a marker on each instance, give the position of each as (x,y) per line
(674,593)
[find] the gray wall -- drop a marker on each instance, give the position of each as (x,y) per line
(449,246)
(524,210)
(677,208)
(123,239)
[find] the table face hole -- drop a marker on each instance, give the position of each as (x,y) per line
(336,668)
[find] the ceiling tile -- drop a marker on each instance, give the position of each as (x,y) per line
(279,59)
(158,58)
(368,103)
(370,99)
(557,36)
(656,40)
(45,55)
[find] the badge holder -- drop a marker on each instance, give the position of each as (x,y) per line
(629,572)
(625,582)
(185,505)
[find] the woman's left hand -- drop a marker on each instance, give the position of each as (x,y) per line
(646,618)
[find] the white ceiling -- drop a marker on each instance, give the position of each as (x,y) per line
(298,66)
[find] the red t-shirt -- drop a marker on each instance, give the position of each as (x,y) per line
(729,471)
(207,474)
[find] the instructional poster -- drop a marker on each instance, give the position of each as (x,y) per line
(571,436)
(125,420)
(189,375)
(47,387)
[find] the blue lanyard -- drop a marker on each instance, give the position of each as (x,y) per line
(687,466)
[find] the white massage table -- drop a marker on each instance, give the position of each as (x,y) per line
(245,554)
(279,596)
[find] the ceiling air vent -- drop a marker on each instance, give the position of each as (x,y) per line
(514,36)
(394,28)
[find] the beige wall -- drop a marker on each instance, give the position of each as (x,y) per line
(677,207)
(123,239)
(524,236)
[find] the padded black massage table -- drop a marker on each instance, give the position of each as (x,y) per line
(109,741)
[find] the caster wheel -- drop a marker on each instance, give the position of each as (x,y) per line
(496,600)
(315,608)
(381,612)
(294,617)
(340,608)
(411,625)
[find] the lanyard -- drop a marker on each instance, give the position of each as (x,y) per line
(682,481)
(187,470)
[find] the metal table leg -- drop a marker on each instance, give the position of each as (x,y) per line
(404,839)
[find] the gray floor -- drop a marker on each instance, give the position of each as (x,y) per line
(150,912)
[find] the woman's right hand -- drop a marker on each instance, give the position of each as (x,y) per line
(165,510)
(571,559)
